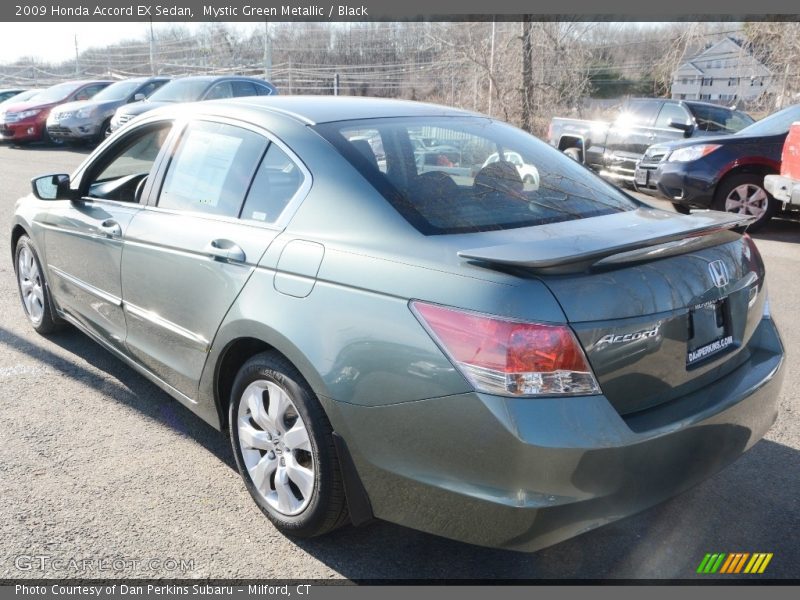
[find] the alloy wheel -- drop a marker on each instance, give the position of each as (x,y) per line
(747,199)
(30,285)
(276,447)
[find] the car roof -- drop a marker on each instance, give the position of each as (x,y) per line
(313,110)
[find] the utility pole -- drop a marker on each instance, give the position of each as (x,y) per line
(152,50)
(491,69)
(527,73)
(77,63)
(267,53)
(336,84)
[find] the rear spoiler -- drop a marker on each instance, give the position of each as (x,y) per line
(610,241)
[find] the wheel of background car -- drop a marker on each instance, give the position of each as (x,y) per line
(574,154)
(745,194)
(33,290)
(283,445)
(48,139)
(682,208)
(104,131)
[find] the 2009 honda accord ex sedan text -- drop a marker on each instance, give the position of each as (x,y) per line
(438,345)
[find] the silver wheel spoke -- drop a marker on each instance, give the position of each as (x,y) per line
(287,503)
(30,285)
(255,403)
(278,403)
(261,472)
(297,437)
(302,477)
(251,437)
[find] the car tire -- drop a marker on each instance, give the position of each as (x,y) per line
(575,154)
(744,193)
(103,132)
(284,448)
(49,140)
(682,208)
(33,289)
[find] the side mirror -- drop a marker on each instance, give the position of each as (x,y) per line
(687,128)
(138,97)
(52,187)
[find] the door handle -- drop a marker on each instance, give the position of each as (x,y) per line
(111,228)
(226,250)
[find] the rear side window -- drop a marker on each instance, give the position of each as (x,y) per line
(277,181)
(477,175)
(243,88)
(640,112)
(212,169)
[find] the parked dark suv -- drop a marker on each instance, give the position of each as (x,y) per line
(614,148)
(724,173)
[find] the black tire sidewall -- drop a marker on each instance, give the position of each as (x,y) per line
(270,368)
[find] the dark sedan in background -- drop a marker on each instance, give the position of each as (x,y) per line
(192,89)
(724,173)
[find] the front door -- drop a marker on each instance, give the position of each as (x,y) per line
(84,238)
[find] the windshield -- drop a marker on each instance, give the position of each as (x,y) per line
(775,124)
(181,90)
(117,91)
(460,186)
(719,119)
(58,92)
(23,97)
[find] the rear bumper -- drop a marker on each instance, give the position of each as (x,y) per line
(782,188)
(523,474)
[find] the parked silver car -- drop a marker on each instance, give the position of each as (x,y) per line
(91,119)
(451,351)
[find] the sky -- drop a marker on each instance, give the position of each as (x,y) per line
(54,42)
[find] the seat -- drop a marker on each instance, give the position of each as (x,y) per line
(365,150)
(498,178)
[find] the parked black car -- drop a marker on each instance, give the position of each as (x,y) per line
(724,173)
(614,148)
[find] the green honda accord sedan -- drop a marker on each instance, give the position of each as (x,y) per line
(435,343)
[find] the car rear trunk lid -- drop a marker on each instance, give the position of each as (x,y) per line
(662,305)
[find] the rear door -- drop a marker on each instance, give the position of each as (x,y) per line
(190,251)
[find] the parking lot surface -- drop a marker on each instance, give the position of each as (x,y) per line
(100,467)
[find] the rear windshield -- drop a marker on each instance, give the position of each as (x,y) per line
(459,184)
(719,119)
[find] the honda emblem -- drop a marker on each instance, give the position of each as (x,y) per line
(719,273)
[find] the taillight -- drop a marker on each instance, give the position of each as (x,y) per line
(510,358)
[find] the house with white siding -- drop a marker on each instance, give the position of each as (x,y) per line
(723,73)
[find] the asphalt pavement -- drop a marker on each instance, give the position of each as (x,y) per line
(103,475)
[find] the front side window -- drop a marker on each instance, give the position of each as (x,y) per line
(465,186)
(119,177)
(219,91)
(671,112)
(212,169)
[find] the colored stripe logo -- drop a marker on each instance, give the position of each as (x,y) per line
(733,563)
